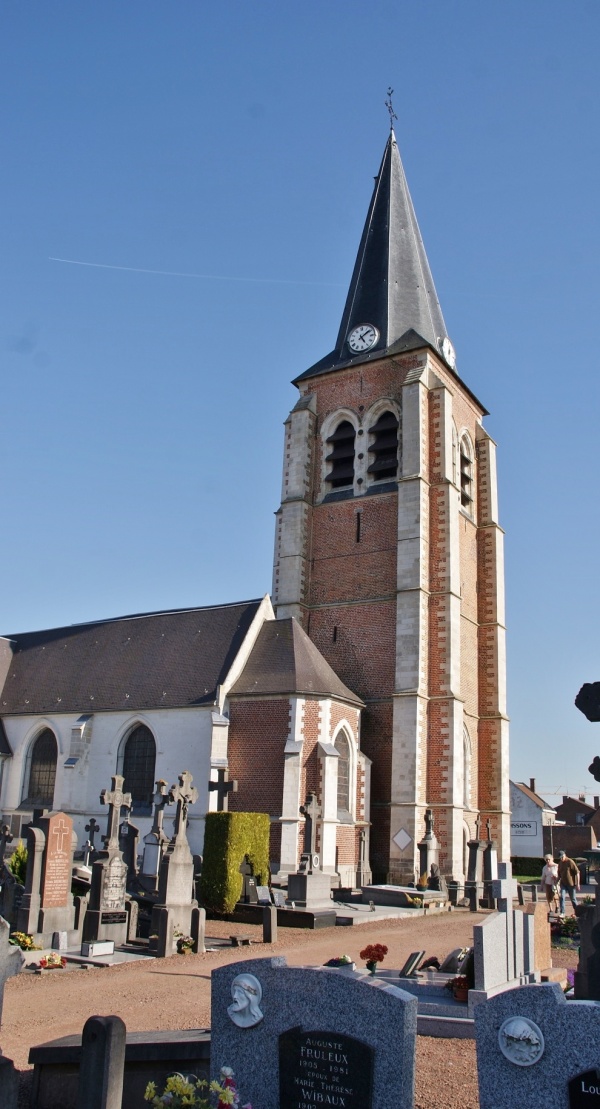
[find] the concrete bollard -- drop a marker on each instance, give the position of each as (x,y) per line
(269,924)
(198,929)
(102,1064)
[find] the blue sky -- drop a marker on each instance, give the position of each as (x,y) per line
(143,412)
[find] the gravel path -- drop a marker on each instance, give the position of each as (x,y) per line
(175,993)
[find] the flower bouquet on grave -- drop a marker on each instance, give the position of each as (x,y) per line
(53,961)
(339,961)
(181,1090)
(24,941)
(459,987)
(185,944)
(373,953)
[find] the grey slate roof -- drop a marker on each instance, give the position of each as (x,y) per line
(155,660)
(284,660)
(391,285)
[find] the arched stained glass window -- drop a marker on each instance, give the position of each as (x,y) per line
(343,790)
(137,768)
(40,772)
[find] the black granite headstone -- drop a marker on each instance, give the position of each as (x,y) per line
(584,1090)
(324,1068)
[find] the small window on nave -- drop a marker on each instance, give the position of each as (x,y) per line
(383,449)
(466,475)
(40,772)
(342,746)
(137,767)
(341,457)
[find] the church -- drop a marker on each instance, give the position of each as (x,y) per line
(373,677)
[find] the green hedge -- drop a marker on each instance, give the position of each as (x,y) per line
(523,865)
(228,838)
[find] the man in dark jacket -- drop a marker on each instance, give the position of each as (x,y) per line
(568,876)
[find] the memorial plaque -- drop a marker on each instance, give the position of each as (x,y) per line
(584,1090)
(324,1068)
(263,894)
(56,880)
(113,918)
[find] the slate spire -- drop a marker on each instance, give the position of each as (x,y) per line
(391,288)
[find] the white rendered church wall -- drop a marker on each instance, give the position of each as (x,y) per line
(183,742)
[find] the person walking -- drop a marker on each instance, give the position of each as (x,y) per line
(549,882)
(568,873)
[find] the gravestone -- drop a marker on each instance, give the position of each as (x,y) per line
(47,904)
(12,961)
(474,880)
(129,837)
(504,945)
(106,916)
(429,848)
(223,787)
(173,911)
(536,1049)
(310,885)
(248,895)
(156,841)
(311,1036)
(89,851)
(102,1064)
(6,837)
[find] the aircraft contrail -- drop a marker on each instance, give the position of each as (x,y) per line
(205,276)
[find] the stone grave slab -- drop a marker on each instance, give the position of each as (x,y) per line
(308,1035)
(537,1050)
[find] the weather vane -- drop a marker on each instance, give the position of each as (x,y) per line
(390,107)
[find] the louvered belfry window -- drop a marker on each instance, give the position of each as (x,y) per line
(466,477)
(341,457)
(139,759)
(42,772)
(383,450)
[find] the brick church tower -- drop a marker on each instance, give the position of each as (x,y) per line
(388,549)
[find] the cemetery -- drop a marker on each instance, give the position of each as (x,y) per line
(297,1024)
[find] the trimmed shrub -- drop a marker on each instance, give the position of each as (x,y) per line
(228,838)
(17,863)
(521,864)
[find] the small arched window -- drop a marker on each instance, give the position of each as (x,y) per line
(383,448)
(342,747)
(466,475)
(40,772)
(137,765)
(341,457)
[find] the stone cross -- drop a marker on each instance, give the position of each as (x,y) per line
(488,825)
(160,799)
(185,794)
(5,837)
(478,827)
(116,800)
(310,810)
(428,822)
(223,787)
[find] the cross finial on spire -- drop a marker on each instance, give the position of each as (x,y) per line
(390,107)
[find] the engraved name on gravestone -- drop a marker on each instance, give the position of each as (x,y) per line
(56,878)
(324,1068)
(584,1090)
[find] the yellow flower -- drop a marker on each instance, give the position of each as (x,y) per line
(227,1097)
(150,1091)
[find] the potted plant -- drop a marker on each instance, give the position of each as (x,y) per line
(459,987)
(53,961)
(183,1090)
(373,953)
(185,944)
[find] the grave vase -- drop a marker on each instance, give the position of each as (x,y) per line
(372,968)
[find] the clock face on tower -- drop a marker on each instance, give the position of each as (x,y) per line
(363,337)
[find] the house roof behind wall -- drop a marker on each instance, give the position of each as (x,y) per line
(154,660)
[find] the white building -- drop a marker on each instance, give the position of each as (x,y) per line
(529,815)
